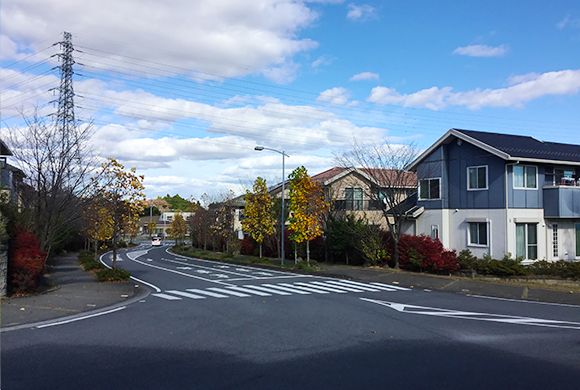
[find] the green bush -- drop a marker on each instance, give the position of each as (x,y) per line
(122,244)
(560,268)
(507,266)
(92,264)
(113,275)
(86,256)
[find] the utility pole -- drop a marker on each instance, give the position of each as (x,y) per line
(65,117)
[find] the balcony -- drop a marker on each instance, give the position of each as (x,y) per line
(562,201)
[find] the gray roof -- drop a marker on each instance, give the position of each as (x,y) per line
(509,147)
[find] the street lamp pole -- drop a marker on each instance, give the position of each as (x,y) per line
(259,149)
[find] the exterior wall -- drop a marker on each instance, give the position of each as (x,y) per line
(526,198)
(566,239)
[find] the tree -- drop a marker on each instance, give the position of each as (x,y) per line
(223,225)
(385,165)
(178,228)
(259,221)
(122,198)
(200,223)
(57,161)
(308,207)
(95,222)
(179,203)
(151,228)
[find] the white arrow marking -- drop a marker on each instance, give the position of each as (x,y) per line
(242,270)
(202,271)
(263,274)
(186,268)
(221,276)
(433,311)
(222,266)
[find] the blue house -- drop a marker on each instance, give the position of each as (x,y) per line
(496,193)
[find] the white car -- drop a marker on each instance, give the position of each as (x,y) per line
(156,241)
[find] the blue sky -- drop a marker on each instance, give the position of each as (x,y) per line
(184,90)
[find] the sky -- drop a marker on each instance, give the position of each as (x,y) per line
(184,90)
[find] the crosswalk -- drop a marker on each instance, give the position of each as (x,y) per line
(339,286)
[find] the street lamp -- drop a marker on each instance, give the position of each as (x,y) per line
(259,149)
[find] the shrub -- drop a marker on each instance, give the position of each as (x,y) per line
(92,264)
(422,253)
(27,263)
(560,268)
(507,266)
(113,275)
(247,247)
(85,256)
(122,244)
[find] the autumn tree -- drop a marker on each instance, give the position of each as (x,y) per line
(151,228)
(95,221)
(178,228)
(259,221)
(122,196)
(308,206)
(201,222)
(385,166)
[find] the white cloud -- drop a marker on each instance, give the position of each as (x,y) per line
(522,89)
(364,76)
(227,38)
(568,21)
(361,12)
(322,60)
(482,51)
(336,96)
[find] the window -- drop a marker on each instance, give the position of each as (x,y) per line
(577,228)
(555,240)
(478,233)
(477,178)
(525,176)
(429,188)
(527,240)
(434,231)
(354,198)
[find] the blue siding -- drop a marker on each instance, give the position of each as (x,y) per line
(526,198)
(450,162)
(562,202)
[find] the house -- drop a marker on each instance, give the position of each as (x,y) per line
(348,190)
(496,193)
(11,178)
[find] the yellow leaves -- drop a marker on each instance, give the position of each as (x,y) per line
(307,205)
(259,221)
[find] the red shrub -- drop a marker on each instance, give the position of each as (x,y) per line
(247,246)
(422,253)
(27,262)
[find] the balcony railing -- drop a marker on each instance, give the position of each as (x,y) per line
(562,201)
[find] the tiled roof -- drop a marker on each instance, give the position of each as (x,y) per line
(526,147)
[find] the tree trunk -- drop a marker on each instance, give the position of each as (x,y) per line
(115,238)
(396,252)
(260,249)
(308,252)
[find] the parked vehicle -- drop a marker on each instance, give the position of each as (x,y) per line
(156,241)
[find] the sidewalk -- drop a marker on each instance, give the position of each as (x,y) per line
(72,291)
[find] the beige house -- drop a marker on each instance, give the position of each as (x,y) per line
(348,190)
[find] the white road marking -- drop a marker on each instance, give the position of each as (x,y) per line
(184,268)
(340,284)
(357,284)
(184,294)
(349,289)
(81,318)
(168,297)
(208,293)
(292,290)
(432,311)
(267,290)
(247,290)
(321,287)
(304,288)
(391,286)
(234,293)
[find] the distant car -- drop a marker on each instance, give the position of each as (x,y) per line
(156,241)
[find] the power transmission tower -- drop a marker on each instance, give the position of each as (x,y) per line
(65,117)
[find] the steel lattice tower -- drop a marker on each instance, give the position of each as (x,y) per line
(65,116)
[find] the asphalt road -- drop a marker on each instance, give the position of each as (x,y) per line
(209,325)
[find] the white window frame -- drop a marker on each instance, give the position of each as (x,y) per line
(476,167)
(429,179)
(527,240)
(477,245)
(434,232)
(525,187)
(555,244)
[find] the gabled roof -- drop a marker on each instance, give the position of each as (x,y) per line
(381,177)
(509,147)
(4,149)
